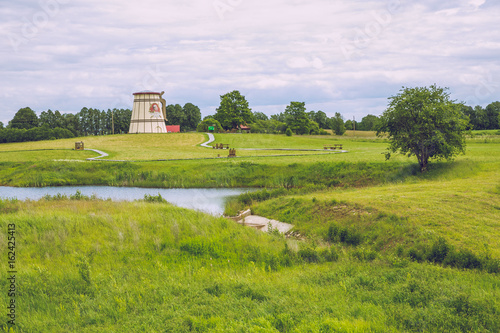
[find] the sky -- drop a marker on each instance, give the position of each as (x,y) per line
(336,56)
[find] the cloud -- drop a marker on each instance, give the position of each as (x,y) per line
(339,56)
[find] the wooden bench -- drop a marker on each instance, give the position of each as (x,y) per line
(221,146)
(232,153)
(335,146)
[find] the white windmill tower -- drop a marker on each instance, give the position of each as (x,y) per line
(148,113)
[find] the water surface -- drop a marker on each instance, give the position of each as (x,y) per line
(209,200)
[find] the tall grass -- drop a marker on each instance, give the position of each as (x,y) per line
(215,174)
(94,265)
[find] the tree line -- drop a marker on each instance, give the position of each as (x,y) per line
(27,126)
(234,111)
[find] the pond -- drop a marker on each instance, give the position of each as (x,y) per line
(209,200)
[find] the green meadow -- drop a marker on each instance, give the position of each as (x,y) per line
(377,246)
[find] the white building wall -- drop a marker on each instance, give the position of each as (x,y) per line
(147,115)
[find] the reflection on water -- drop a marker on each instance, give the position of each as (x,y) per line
(209,200)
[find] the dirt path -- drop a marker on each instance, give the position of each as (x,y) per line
(211,139)
(103,154)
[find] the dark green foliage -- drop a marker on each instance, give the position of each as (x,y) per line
(438,251)
(202,247)
(207,122)
(284,322)
(233,111)
(270,126)
(320,118)
(330,254)
(77,196)
(368,123)
(337,124)
(441,252)
(215,290)
(33,134)
(425,123)
(416,254)
(297,119)
(188,116)
(154,198)
(345,235)
(462,259)
(288,132)
(84,270)
(309,255)
(25,118)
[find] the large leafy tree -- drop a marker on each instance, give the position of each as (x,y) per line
(337,123)
(296,118)
(175,115)
(425,123)
(24,118)
(259,116)
(319,117)
(492,112)
(192,117)
(233,110)
(368,123)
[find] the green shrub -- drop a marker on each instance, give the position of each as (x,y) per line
(154,198)
(438,251)
(462,259)
(363,254)
(416,254)
(288,132)
(309,255)
(344,235)
(330,254)
(202,247)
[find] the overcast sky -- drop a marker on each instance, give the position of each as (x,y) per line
(336,56)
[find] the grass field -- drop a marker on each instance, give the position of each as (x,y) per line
(147,147)
(365,260)
(100,266)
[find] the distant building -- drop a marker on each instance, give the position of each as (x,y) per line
(148,113)
(245,128)
(173,128)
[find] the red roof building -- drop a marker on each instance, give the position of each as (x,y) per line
(173,128)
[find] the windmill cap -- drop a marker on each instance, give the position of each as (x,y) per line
(147,93)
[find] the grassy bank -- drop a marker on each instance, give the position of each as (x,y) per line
(91,265)
(212,173)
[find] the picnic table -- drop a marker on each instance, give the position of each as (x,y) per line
(221,146)
(335,146)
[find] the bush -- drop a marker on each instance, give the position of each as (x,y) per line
(154,198)
(309,255)
(416,255)
(288,132)
(323,132)
(330,254)
(344,235)
(363,254)
(202,247)
(462,259)
(439,251)
(203,126)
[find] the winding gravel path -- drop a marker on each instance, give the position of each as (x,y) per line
(211,139)
(102,154)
